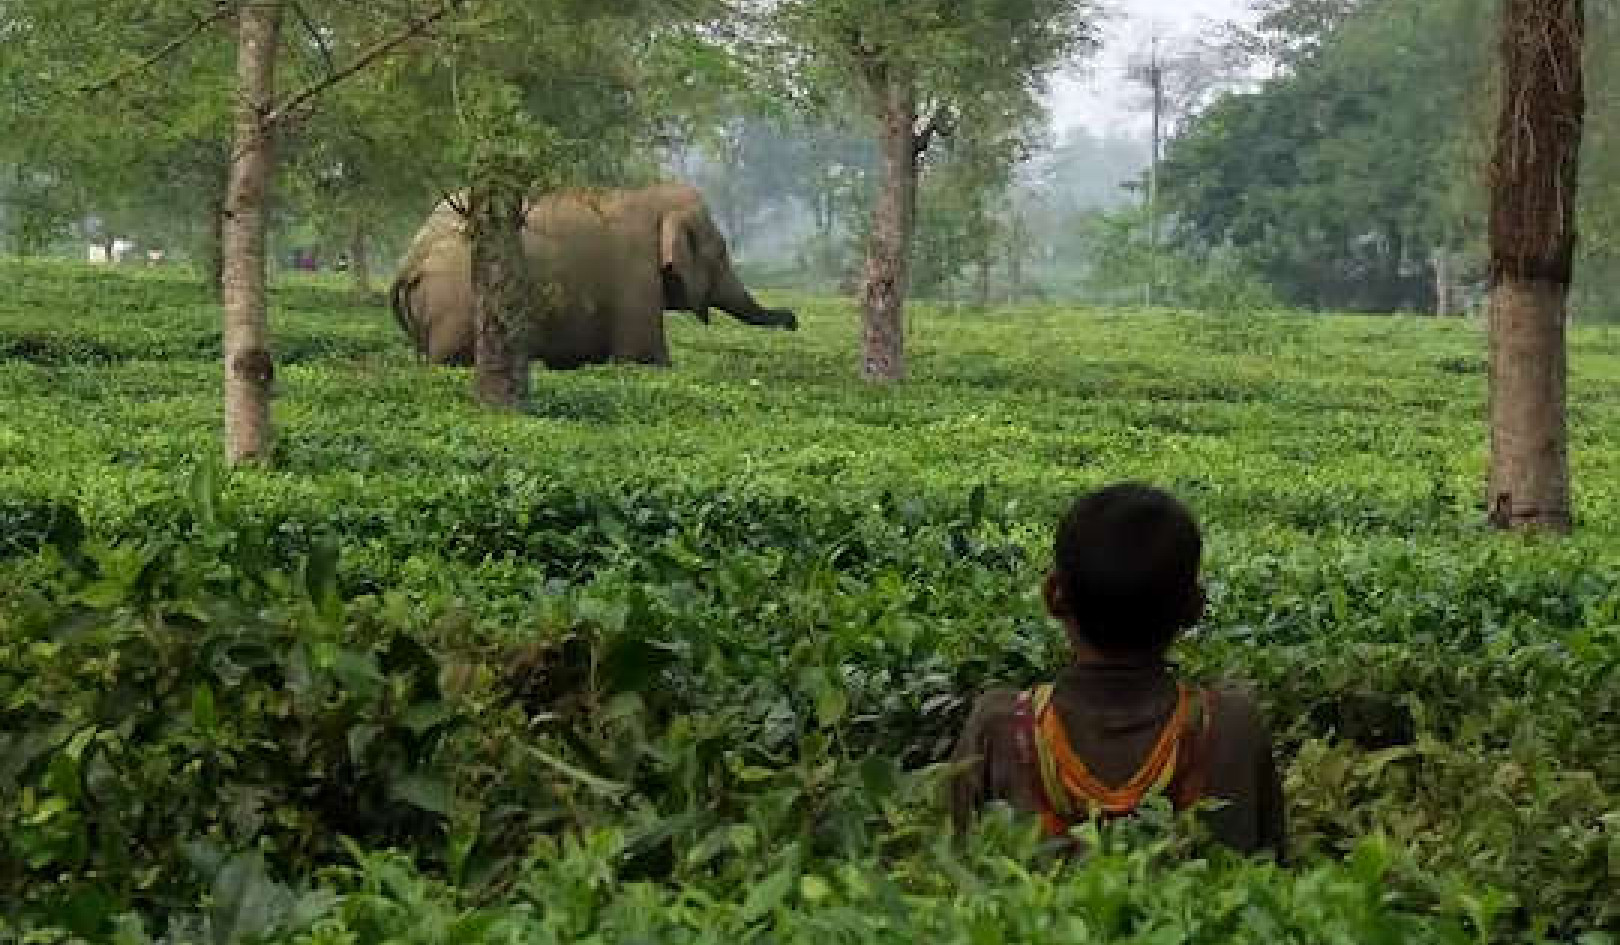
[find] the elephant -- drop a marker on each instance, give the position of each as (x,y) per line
(617,261)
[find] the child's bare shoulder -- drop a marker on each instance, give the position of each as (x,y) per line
(998,701)
(992,709)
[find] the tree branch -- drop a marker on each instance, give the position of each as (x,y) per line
(940,125)
(869,59)
(315,34)
(412,30)
(222,10)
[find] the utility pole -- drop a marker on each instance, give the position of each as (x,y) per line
(1155,77)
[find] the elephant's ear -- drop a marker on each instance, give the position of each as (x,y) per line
(682,267)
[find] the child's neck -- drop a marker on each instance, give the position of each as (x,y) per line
(1084,654)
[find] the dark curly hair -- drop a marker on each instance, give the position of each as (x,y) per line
(1126,568)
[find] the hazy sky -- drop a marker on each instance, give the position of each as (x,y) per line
(1100,96)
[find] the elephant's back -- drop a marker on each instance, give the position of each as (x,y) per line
(598,241)
(441,240)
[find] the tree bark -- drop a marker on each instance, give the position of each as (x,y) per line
(249,367)
(500,299)
(213,236)
(1534,179)
(888,260)
(21,244)
(982,278)
(738,225)
(1016,237)
(359,259)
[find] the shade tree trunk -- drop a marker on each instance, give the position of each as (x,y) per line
(1017,249)
(249,366)
(984,273)
(888,260)
(360,257)
(500,296)
(1534,180)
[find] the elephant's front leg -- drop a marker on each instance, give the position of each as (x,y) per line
(657,356)
(639,338)
(660,355)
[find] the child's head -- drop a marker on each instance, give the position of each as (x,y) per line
(1125,580)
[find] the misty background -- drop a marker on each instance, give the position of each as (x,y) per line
(790,196)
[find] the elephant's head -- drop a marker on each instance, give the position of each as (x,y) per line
(698,274)
(689,248)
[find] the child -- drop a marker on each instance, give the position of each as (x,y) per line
(1116,725)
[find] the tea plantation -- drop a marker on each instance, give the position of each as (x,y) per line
(671,657)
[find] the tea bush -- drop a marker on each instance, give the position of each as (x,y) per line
(671,656)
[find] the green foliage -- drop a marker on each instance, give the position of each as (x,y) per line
(986,893)
(1598,267)
(162,162)
(965,208)
(670,657)
(524,94)
(542,115)
(161,713)
(1124,262)
(922,71)
(1338,179)
(951,52)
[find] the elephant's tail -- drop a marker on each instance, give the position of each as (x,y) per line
(399,300)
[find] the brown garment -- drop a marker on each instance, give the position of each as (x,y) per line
(1114,713)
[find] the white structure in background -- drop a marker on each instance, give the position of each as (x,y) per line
(100,254)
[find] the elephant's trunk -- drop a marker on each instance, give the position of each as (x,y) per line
(733,298)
